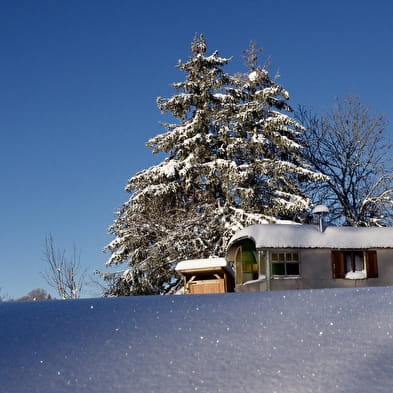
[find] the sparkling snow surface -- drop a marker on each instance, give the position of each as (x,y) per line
(294,341)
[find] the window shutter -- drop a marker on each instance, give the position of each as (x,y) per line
(371,264)
(338,269)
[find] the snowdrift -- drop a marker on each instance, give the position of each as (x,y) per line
(337,340)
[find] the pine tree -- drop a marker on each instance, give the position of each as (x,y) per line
(268,141)
(159,224)
(231,161)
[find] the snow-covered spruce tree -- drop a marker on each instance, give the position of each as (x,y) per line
(270,172)
(166,218)
(231,161)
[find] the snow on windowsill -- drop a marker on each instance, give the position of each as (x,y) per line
(358,275)
(261,278)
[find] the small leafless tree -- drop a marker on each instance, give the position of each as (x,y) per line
(350,146)
(63,274)
(35,294)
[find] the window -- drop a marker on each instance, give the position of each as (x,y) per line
(285,263)
(354,264)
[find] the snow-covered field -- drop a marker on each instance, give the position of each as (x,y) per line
(327,341)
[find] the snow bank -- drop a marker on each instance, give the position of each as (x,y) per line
(323,341)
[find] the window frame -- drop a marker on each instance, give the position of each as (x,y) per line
(370,262)
(283,259)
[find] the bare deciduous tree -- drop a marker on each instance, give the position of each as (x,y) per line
(35,294)
(349,145)
(63,274)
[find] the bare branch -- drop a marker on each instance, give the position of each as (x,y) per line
(349,146)
(63,274)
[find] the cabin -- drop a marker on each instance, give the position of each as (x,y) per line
(268,257)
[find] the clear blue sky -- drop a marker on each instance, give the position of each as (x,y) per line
(79,81)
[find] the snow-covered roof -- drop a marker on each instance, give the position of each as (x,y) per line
(201,264)
(309,236)
(326,341)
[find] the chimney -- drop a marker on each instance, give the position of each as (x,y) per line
(319,211)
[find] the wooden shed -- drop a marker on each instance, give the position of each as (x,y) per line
(202,276)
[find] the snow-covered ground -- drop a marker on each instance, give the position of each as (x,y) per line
(338,340)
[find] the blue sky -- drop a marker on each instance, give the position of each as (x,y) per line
(79,82)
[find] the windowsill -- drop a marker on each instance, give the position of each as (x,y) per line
(260,279)
(263,279)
